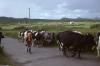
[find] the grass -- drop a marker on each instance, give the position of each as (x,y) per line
(13,29)
(4,60)
(13,34)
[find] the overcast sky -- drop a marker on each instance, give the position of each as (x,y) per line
(50,9)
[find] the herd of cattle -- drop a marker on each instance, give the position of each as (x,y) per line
(71,43)
(40,38)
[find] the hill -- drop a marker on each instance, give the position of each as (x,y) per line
(17,20)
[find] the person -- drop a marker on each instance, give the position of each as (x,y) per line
(29,41)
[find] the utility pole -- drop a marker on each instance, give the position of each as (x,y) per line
(29,22)
(29,15)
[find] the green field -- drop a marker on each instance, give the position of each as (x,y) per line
(13,29)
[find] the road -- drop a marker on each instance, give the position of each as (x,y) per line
(44,56)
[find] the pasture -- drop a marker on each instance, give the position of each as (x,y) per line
(13,29)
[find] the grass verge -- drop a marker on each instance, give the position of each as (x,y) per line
(4,59)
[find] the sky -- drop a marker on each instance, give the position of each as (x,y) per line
(50,9)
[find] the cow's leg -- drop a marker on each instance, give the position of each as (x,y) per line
(64,50)
(73,53)
(59,45)
(98,51)
(72,50)
(36,43)
(79,52)
(24,40)
(41,43)
(76,51)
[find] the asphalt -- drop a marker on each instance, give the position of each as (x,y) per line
(44,56)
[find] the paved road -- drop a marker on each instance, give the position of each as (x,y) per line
(44,56)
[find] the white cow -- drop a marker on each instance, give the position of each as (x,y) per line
(77,32)
(25,36)
(98,47)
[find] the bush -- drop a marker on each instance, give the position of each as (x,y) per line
(19,28)
(95,26)
(4,60)
(13,34)
(0,28)
(1,50)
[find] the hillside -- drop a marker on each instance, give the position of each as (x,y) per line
(16,20)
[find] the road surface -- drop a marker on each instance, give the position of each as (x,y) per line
(44,56)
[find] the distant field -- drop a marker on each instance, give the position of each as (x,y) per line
(13,29)
(51,24)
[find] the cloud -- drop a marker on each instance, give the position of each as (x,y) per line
(50,9)
(62,11)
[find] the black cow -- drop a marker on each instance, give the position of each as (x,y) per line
(1,36)
(38,38)
(75,42)
(44,38)
(48,38)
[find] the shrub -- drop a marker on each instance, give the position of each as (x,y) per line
(1,50)
(19,28)
(95,26)
(0,28)
(13,34)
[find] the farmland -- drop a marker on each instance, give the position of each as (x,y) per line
(13,29)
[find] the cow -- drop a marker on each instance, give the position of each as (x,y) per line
(98,44)
(21,35)
(74,42)
(48,38)
(1,36)
(44,38)
(24,33)
(38,39)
